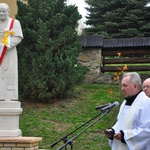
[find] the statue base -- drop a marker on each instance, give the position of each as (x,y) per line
(9,119)
(20,143)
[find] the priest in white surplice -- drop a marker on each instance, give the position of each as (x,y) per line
(10,36)
(132,129)
(146,87)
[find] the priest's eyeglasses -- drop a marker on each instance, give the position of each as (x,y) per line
(146,86)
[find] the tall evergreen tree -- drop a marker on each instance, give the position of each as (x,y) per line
(118,18)
(48,54)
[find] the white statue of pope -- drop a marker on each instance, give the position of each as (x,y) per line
(10,36)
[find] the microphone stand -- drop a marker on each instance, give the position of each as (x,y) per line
(71,141)
(64,139)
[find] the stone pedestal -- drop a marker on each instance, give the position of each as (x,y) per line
(9,119)
(20,143)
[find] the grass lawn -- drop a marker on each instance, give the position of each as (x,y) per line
(58,119)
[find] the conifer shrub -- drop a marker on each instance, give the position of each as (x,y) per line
(48,65)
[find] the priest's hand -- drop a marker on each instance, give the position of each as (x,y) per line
(109,133)
(118,136)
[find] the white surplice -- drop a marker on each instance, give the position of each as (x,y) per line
(134,120)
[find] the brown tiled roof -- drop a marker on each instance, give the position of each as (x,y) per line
(99,41)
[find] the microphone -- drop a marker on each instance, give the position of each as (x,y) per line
(102,106)
(110,106)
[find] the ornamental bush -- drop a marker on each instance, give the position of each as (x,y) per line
(48,54)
